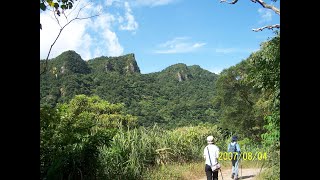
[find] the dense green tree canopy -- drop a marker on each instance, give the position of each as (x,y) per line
(248,94)
(236,100)
(72,133)
(179,95)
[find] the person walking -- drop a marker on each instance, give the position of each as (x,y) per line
(211,154)
(236,155)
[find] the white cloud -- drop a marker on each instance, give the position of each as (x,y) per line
(152,3)
(178,45)
(70,37)
(120,19)
(90,38)
(85,42)
(265,14)
(113,46)
(116,3)
(109,2)
(131,23)
(103,22)
(197,45)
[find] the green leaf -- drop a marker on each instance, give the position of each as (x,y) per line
(51,3)
(43,7)
(63,7)
(56,5)
(70,5)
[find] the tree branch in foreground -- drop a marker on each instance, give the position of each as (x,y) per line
(61,29)
(265,5)
(232,2)
(261,2)
(267,27)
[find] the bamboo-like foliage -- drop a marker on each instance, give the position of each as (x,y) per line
(134,151)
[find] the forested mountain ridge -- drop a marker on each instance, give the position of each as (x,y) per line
(122,64)
(176,96)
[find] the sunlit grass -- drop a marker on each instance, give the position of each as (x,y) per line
(192,171)
(186,171)
(157,154)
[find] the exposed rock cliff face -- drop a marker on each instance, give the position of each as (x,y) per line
(125,64)
(182,76)
(71,62)
(109,67)
(181,72)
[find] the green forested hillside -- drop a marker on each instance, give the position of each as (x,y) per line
(178,95)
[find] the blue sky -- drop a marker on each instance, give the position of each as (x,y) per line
(162,32)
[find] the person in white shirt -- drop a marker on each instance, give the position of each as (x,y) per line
(211,154)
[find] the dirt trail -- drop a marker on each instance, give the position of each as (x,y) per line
(247,174)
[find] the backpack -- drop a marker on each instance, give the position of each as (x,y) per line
(233,149)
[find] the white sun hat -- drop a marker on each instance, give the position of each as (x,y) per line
(210,139)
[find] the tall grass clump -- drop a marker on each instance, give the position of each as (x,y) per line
(188,142)
(134,151)
(131,152)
